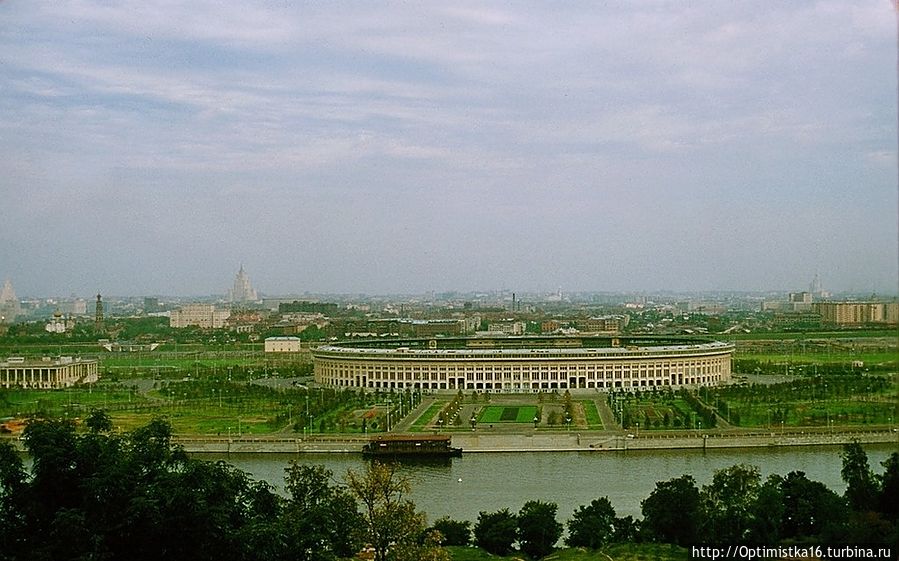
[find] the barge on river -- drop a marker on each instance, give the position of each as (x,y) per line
(399,445)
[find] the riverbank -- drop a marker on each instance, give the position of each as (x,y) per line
(476,442)
(536,441)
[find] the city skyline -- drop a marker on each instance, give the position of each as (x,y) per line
(389,149)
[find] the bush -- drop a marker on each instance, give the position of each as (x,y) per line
(455,532)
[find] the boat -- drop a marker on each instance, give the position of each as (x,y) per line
(399,445)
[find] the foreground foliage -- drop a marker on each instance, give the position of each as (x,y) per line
(134,496)
(101,495)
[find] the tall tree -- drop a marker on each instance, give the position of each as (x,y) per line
(888,502)
(538,529)
(728,504)
(13,499)
(809,507)
(861,485)
(390,520)
(321,519)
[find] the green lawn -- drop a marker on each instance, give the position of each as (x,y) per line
(867,357)
(77,401)
(592,415)
(425,418)
(508,414)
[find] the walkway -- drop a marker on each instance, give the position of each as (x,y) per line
(406,423)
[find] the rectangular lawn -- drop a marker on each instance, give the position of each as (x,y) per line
(508,414)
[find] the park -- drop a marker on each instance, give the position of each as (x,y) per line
(214,390)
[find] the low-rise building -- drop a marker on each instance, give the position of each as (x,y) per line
(204,316)
(282,344)
(428,327)
(47,373)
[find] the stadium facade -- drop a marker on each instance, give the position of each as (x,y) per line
(524,364)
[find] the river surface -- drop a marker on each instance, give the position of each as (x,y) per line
(462,487)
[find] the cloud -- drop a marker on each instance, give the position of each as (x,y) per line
(516,121)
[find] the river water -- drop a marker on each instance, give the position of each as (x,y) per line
(462,487)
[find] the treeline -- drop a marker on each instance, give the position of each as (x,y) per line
(736,507)
(103,495)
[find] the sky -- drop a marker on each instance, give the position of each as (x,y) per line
(151,148)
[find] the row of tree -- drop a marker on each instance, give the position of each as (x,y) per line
(736,507)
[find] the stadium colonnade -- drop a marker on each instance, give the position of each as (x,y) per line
(524,364)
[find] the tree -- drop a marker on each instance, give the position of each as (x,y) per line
(728,503)
(888,502)
(809,507)
(98,421)
(13,500)
(671,512)
(861,485)
(389,518)
(591,526)
(538,529)
(625,529)
(454,532)
(321,519)
(768,511)
(495,532)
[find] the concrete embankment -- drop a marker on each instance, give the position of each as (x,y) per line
(618,442)
(536,441)
(540,442)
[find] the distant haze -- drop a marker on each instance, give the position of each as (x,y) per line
(381,147)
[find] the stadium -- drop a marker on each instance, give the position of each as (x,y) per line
(524,364)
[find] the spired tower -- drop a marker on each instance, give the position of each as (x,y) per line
(242,291)
(98,315)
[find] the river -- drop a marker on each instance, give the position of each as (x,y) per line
(462,487)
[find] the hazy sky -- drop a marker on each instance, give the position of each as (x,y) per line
(380,147)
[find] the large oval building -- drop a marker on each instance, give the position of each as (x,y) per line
(523,364)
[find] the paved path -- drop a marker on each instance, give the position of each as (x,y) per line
(408,420)
(605,413)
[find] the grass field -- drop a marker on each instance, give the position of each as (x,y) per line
(508,414)
(866,357)
(425,418)
(591,415)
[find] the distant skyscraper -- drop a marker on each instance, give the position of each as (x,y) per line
(9,303)
(243,291)
(815,286)
(816,289)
